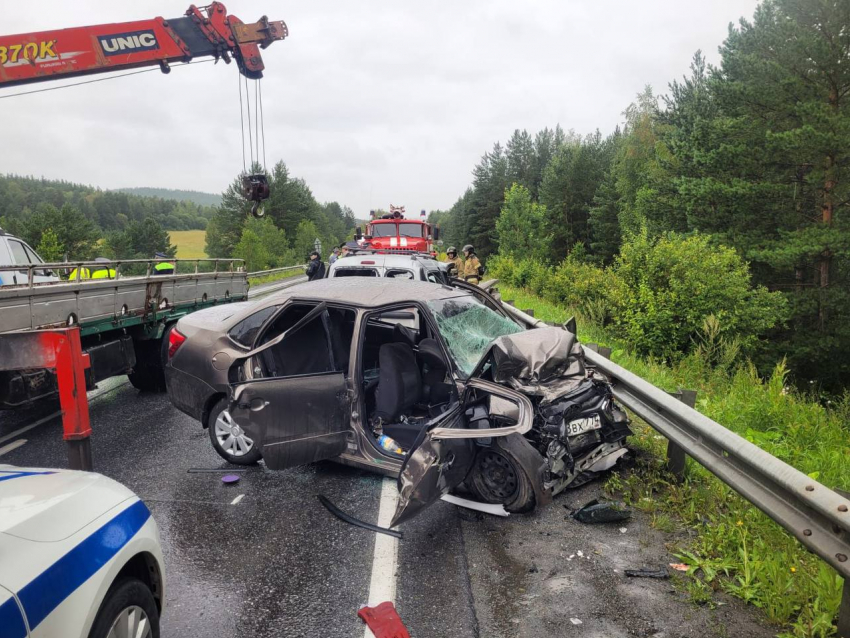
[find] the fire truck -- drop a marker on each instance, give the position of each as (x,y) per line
(392,232)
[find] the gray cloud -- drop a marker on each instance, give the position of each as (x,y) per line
(369,102)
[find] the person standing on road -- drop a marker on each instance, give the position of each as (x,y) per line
(456,269)
(316,267)
(102,271)
(334,256)
(472,268)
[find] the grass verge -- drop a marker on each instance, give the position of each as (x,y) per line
(734,547)
(259,281)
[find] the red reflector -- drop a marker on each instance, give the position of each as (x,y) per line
(175,340)
(371,263)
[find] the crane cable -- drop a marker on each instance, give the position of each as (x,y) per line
(111,77)
(256,129)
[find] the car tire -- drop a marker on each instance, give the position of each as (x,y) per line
(230,446)
(128,601)
(497,476)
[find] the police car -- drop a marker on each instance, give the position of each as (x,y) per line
(79,557)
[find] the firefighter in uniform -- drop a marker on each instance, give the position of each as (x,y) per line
(163,267)
(456,270)
(472,268)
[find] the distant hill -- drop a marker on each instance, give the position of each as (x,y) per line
(196,197)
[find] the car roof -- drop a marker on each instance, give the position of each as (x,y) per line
(386,261)
(366,292)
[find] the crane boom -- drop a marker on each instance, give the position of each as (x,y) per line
(208,32)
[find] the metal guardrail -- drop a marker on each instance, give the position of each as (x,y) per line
(811,512)
(274,271)
(144,267)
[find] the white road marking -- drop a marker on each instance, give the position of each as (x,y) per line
(382,585)
(16,433)
(12,446)
(237,499)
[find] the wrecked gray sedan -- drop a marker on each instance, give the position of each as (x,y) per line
(434,384)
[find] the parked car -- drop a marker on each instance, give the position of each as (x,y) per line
(80,557)
(410,266)
(16,252)
(324,370)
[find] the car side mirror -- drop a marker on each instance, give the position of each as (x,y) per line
(436,233)
(358,233)
(570,325)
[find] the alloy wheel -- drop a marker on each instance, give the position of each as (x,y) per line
(132,622)
(231,438)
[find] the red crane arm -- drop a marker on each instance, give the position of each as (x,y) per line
(35,57)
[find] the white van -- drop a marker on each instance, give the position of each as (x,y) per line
(16,252)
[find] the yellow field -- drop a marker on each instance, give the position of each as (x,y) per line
(190,243)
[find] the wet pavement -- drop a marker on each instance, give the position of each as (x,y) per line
(276,563)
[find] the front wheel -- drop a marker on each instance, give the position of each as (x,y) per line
(497,476)
(228,439)
(128,611)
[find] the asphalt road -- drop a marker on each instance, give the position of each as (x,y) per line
(275,563)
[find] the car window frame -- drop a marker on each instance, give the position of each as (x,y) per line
(12,252)
(373,269)
(399,269)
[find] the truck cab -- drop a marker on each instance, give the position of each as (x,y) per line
(392,232)
(16,252)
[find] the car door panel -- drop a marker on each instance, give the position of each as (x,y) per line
(294,420)
(444,452)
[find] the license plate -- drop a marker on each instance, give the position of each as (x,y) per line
(585,424)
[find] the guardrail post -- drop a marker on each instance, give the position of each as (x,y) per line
(510,302)
(676,457)
(529,312)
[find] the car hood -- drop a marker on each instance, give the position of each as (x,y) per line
(544,362)
(49,505)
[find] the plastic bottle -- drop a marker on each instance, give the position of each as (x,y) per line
(389,444)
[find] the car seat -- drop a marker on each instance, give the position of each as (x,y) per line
(399,389)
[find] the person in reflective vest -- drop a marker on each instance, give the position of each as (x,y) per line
(163,267)
(102,272)
(81,273)
(472,268)
(456,269)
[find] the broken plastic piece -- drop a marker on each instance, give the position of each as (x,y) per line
(333,509)
(679,567)
(575,621)
(384,621)
(488,508)
(230,479)
(648,572)
(607,512)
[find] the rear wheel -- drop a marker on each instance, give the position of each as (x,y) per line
(229,439)
(128,611)
(497,476)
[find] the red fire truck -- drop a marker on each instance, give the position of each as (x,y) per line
(392,232)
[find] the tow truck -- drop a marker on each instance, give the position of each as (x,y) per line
(125,317)
(392,232)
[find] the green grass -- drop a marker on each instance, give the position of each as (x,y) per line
(735,548)
(258,281)
(189,243)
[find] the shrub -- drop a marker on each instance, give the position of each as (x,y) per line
(670,286)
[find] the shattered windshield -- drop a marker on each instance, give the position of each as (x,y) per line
(468,327)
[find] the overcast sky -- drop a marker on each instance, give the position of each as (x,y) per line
(371,103)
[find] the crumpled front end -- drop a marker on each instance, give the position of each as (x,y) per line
(578,428)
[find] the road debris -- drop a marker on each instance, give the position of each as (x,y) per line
(383,620)
(487,508)
(648,572)
(602,512)
(680,567)
(230,479)
(575,621)
(333,509)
